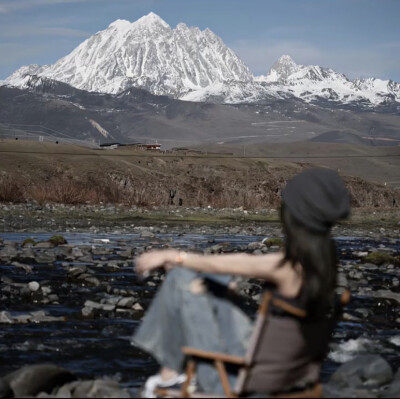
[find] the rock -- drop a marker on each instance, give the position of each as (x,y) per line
(342,280)
(86,259)
(6,318)
(393,390)
(26,255)
(355,274)
(44,244)
(360,254)
(331,390)
(8,253)
(147,234)
(6,280)
(92,281)
(45,257)
(363,312)
(77,271)
(386,294)
(28,269)
(53,298)
(363,371)
(137,307)
(93,389)
(46,291)
(76,252)
(369,266)
(22,319)
(126,302)
(87,311)
(34,286)
(127,254)
(31,380)
(101,251)
(96,305)
(254,245)
(42,317)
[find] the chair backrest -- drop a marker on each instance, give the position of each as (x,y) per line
(268,300)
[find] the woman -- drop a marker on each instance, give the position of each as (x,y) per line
(193,310)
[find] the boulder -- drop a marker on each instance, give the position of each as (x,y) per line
(363,371)
(45,257)
(93,389)
(31,380)
(331,390)
(8,253)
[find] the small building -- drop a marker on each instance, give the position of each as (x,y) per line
(153,147)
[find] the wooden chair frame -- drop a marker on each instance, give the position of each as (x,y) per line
(245,363)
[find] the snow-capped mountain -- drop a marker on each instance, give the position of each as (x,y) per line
(314,82)
(193,65)
(146,54)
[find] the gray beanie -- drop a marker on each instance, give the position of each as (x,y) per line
(317,198)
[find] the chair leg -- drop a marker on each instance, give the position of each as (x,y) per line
(224,379)
(190,371)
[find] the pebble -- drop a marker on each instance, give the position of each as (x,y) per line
(34,286)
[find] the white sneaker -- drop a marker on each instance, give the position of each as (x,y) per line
(156,381)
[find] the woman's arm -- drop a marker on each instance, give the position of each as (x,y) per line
(256,266)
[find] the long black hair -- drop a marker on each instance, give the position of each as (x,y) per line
(316,253)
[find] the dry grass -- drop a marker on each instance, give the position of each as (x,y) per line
(11,189)
(71,175)
(215,191)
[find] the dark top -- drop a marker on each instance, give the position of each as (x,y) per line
(289,353)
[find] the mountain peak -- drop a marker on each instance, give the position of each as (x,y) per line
(151,19)
(282,68)
(285,59)
(120,23)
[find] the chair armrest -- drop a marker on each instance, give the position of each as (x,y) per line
(214,356)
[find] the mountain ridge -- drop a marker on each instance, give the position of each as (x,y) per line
(193,65)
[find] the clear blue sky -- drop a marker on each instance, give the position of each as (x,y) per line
(360,38)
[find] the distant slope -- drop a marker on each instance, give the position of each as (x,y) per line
(376,164)
(337,136)
(58,110)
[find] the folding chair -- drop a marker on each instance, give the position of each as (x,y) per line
(245,363)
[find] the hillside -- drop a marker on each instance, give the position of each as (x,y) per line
(375,164)
(66,173)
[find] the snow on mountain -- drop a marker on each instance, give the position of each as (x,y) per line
(314,82)
(232,92)
(193,65)
(146,54)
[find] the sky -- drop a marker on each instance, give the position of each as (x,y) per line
(360,38)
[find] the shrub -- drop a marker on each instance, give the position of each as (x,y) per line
(379,258)
(274,241)
(29,241)
(11,189)
(57,240)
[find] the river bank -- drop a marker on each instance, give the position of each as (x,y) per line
(369,222)
(77,304)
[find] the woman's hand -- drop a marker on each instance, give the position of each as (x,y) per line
(156,259)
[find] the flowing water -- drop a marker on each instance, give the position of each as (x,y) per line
(101,346)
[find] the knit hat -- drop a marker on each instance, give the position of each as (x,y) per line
(317,198)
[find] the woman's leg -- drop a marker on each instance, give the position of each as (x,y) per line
(183,316)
